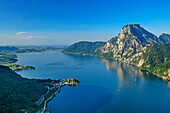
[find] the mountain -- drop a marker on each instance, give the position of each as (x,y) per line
(83,47)
(18,93)
(132,45)
(165,38)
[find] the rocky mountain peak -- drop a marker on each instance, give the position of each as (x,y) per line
(131,42)
(127,29)
(129,26)
(135,31)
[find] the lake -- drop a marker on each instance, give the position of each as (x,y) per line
(105,86)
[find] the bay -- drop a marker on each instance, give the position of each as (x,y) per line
(106,86)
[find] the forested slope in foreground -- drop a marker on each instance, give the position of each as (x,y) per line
(18,93)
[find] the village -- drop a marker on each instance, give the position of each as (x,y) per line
(57,83)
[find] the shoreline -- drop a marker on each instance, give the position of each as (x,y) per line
(57,84)
(46,101)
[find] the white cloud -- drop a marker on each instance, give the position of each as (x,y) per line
(29,37)
(19,33)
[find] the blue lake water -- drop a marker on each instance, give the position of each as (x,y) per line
(105,86)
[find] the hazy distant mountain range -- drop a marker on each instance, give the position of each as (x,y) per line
(133,45)
(14,49)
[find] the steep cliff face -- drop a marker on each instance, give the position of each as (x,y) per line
(130,44)
(165,38)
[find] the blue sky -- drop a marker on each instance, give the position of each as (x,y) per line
(63,22)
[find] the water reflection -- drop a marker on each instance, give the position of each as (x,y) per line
(169,84)
(126,73)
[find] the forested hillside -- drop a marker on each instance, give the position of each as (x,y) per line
(18,93)
(83,47)
(157,60)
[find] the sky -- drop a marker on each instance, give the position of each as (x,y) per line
(64,22)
